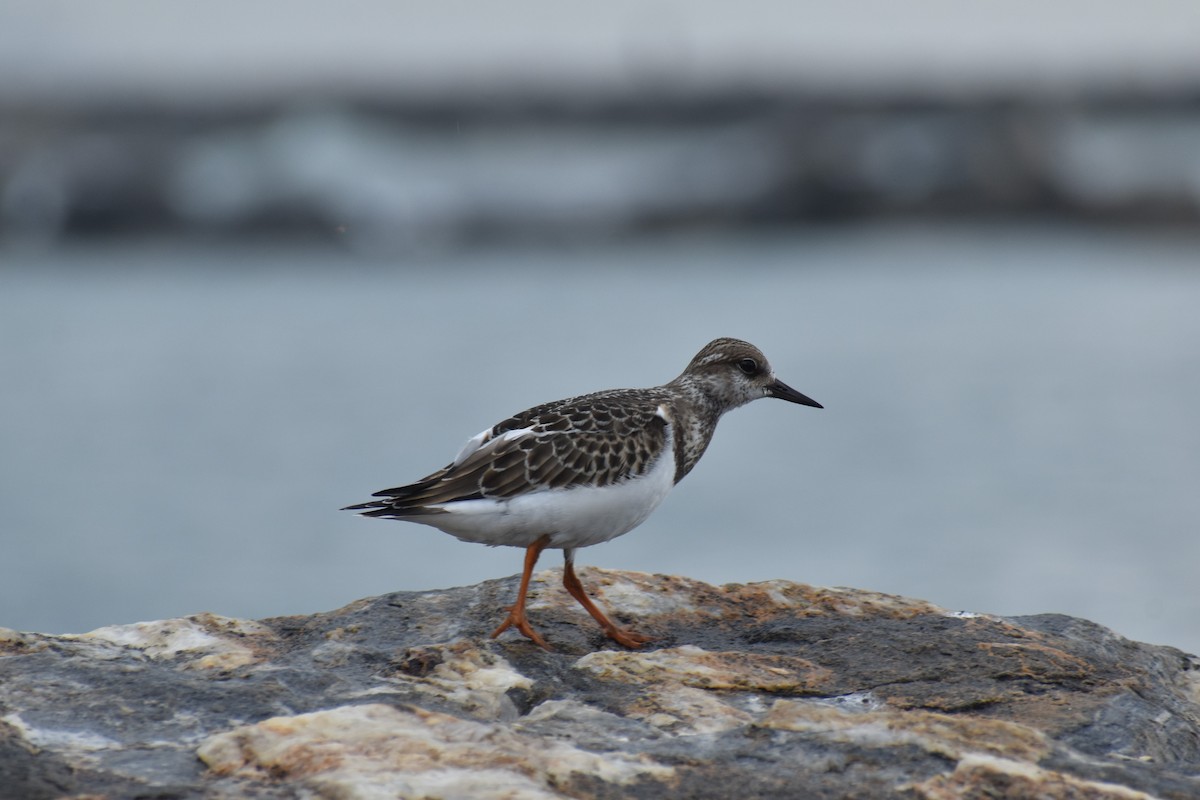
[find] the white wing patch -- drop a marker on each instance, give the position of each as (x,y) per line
(472,445)
(483,439)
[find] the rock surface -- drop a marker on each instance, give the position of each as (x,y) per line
(772,689)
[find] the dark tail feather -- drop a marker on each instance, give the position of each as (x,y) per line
(395,500)
(361,506)
(414,499)
(390,509)
(402,491)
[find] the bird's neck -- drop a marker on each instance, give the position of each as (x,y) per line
(695,418)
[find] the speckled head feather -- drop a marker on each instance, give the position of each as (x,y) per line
(725,374)
(729,371)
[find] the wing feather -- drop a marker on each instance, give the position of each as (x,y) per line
(599,439)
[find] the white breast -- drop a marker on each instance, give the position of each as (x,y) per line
(577,517)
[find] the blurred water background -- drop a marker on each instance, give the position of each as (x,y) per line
(258,262)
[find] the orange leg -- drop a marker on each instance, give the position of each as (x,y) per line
(516,613)
(623,637)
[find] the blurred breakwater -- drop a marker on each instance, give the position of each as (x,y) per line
(384,176)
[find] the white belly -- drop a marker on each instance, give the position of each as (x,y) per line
(576,517)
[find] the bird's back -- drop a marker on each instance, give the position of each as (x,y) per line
(599,439)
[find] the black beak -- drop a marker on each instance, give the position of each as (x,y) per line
(784,392)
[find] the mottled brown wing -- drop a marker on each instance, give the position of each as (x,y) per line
(597,439)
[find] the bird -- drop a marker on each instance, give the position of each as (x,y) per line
(582,471)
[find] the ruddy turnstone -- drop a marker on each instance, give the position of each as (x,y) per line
(581,471)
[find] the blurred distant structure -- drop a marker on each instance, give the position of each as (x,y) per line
(395,126)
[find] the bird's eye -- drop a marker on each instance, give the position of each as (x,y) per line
(748,366)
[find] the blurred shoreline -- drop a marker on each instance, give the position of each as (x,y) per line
(388,175)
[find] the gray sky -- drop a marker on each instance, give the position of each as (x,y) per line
(55,49)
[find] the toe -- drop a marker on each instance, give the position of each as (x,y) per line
(627,638)
(523,627)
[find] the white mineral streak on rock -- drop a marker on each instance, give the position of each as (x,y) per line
(678,684)
(58,739)
(848,602)
(218,642)
(473,679)
(1019,779)
(703,669)
(944,734)
(571,711)
(376,751)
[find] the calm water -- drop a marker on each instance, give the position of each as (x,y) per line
(1010,420)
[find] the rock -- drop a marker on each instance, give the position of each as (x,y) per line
(772,689)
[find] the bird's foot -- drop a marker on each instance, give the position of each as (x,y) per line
(627,638)
(521,623)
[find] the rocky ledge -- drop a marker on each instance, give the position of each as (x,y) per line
(770,689)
